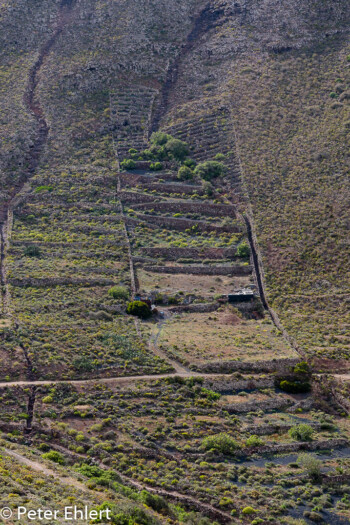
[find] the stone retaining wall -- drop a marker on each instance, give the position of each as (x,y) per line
(282,366)
(295,447)
(263,430)
(174,188)
(224,384)
(207,307)
(216,210)
(133,197)
(59,281)
(201,270)
(173,253)
(252,406)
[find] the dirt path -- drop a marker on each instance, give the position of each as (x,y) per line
(153,346)
(39,467)
(343,377)
(190,501)
(113,380)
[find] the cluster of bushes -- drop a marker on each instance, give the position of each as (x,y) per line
(207,171)
(166,147)
(163,147)
(222,443)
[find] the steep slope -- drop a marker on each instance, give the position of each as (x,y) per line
(203,413)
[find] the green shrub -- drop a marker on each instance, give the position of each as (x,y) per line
(55,456)
(39,189)
(83,364)
(190,163)
(208,189)
(220,156)
(243,250)
(248,510)
(118,292)
(156,166)
(221,443)
(126,514)
(32,251)
(254,441)
(159,138)
(159,299)
(177,148)
(294,387)
(185,173)
(139,308)
(211,169)
(157,503)
(128,164)
(302,368)
(311,464)
(302,432)
(210,394)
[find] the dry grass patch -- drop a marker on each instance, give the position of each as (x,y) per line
(198,284)
(201,337)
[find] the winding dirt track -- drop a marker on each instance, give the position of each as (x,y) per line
(224,517)
(114,380)
(39,467)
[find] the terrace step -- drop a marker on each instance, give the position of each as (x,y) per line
(173,253)
(182,224)
(216,210)
(201,270)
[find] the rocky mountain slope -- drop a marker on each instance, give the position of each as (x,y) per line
(206,411)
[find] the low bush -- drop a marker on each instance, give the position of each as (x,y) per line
(39,189)
(159,138)
(190,163)
(156,503)
(254,441)
(32,251)
(177,149)
(118,292)
(294,387)
(185,173)
(221,443)
(156,166)
(311,464)
(243,250)
(302,432)
(302,368)
(128,164)
(55,456)
(209,170)
(139,308)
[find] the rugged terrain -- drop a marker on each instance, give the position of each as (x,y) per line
(207,411)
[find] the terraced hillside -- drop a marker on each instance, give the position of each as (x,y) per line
(157,159)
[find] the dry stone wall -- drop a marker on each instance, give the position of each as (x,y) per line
(281,366)
(201,270)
